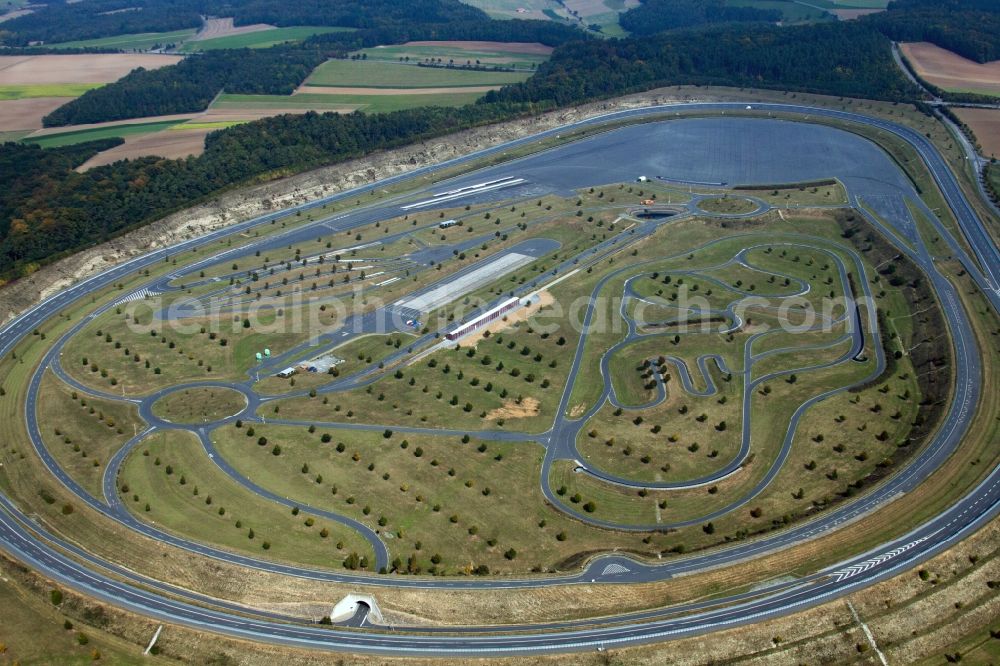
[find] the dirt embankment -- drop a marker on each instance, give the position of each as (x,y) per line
(249,202)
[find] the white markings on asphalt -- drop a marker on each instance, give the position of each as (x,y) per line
(465,191)
(136,296)
(614,570)
(855,569)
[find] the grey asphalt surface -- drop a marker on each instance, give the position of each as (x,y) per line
(975,509)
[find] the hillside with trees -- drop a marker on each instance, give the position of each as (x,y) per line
(811,58)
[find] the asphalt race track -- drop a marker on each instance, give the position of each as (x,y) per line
(668,151)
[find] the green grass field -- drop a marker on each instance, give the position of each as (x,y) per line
(25,91)
(212,125)
(36,632)
(260,39)
(727,205)
(418,53)
(84,432)
(80,136)
(186,493)
(14,135)
(365,74)
(135,42)
(195,405)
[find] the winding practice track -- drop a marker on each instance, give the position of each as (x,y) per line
(26,541)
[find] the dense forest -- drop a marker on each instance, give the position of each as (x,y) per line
(191,84)
(654,16)
(813,58)
(70,21)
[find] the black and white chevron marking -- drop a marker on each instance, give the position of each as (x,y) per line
(855,569)
(136,296)
(614,570)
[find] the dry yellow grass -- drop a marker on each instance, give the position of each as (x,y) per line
(77,68)
(27,114)
(985,124)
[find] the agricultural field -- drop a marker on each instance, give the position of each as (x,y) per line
(376,86)
(31,87)
(29,90)
(256,39)
(985,124)
(65,138)
(950,71)
(345,101)
(521,56)
(136,42)
(394,75)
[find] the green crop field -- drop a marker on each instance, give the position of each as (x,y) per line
(26,90)
(344,103)
(266,102)
(447,52)
(79,136)
(259,39)
(135,42)
(365,74)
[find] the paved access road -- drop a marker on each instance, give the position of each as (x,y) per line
(24,540)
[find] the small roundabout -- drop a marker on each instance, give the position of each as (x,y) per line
(731,205)
(731,390)
(198,405)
